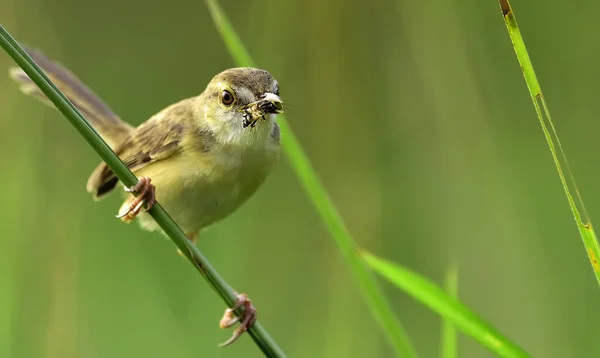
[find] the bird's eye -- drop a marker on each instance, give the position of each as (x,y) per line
(227,98)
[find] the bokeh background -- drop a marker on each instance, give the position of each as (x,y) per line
(418,121)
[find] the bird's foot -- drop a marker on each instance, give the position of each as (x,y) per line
(246,318)
(144,197)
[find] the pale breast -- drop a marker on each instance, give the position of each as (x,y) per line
(199,190)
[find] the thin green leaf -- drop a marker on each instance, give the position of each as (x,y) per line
(449,336)
(582,220)
(445,305)
(191,252)
(299,161)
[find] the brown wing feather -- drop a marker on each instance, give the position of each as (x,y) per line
(156,139)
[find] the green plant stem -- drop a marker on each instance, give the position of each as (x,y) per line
(369,288)
(590,241)
(449,336)
(10,45)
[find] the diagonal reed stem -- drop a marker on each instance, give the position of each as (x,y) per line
(300,163)
(590,241)
(11,46)
(449,334)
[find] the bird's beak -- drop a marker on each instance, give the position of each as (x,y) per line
(270,103)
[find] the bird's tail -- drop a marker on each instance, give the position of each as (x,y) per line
(110,127)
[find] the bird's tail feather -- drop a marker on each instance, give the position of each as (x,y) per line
(110,127)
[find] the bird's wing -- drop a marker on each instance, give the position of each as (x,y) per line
(158,138)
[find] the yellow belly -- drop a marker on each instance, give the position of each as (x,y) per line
(197,191)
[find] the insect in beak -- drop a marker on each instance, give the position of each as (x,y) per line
(268,103)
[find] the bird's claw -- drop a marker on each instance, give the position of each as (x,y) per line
(247,318)
(145,197)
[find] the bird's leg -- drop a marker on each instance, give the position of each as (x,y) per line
(246,318)
(144,197)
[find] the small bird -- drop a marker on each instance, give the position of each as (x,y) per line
(201,157)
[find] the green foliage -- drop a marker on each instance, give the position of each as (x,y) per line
(590,241)
(445,305)
(449,336)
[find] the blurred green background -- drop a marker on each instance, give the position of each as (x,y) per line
(414,114)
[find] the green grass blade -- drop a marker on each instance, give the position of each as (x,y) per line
(12,48)
(449,336)
(372,293)
(445,305)
(541,108)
